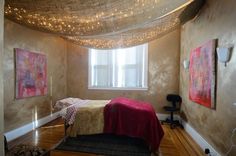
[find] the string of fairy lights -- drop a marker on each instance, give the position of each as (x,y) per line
(99,24)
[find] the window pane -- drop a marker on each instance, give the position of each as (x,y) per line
(100,78)
(99,57)
(118,68)
(130,77)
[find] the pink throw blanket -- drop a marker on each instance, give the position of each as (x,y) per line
(123,116)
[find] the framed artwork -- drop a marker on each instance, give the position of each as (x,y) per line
(202,74)
(31,74)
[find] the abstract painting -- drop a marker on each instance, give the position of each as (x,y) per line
(31,74)
(202,74)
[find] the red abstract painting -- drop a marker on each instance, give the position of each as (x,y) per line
(202,74)
(31,74)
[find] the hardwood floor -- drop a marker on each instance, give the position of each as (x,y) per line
(176,142)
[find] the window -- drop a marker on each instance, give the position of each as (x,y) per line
(118,68)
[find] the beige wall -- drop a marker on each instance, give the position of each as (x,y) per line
(216,21)
(1,78)
(20,112)
(163,73)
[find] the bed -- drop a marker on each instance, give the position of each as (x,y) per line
(121,116)
(82,117)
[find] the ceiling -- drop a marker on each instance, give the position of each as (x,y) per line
(103,24)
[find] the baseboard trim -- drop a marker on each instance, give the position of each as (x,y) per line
(164,116)
(199,139)
(13,134)
(193,133)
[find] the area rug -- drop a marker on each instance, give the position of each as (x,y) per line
(106,144)
(27,150)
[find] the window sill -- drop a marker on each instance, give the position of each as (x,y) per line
(118,88)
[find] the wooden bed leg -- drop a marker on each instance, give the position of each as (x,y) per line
(155,153)
(66,126)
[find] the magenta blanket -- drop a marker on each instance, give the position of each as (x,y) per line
(123,116)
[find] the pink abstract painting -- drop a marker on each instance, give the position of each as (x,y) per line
(202,74)
(31,74)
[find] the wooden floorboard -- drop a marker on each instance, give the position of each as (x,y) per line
(176,142)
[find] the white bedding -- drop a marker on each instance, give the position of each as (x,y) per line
(69,107)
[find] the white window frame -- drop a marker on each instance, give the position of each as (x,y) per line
(119,88)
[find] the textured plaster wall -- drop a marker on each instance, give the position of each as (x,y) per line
(163,74)
(216,21)
(1,78)
(20,112)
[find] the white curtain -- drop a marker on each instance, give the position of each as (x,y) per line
(118,68)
